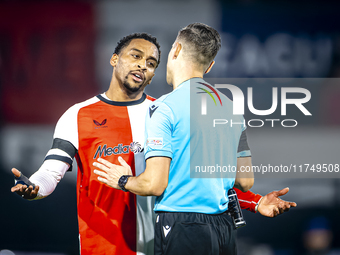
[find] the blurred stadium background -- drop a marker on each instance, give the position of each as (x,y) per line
(56,53)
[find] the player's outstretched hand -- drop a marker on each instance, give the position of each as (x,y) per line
(25,191)
(111,173)
(271,205)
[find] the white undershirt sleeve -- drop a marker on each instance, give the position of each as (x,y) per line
(48,176)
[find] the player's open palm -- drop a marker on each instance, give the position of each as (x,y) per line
(271,205)
(23,186)
(111,173)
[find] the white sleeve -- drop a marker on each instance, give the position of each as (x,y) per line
(67,126)
(58,159)
(48,176)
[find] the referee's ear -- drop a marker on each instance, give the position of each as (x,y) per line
(210,66)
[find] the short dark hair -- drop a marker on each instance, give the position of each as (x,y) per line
(204,42)
(125,41)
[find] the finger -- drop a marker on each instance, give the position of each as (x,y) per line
(105,162)
(35,191)
(282,210)
(101,179)
(292,204)
(23,188)
(101,166)
(16,188)
(16,172)
(102,174)
(282,192)
(289,204)
(286,209)
(29,190)
(123,162)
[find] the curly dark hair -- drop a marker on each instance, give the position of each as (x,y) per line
(127,39)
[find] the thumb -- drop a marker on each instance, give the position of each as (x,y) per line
(123,162)
(282,192)
(16,172)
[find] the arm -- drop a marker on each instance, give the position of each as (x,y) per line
(244,179)
(58,160)
(45,180)
(248,200)
(269,205)
(152,182)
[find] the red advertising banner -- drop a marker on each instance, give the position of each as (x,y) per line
(46,59)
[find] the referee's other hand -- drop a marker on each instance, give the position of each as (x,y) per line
(271,205)
(24,191)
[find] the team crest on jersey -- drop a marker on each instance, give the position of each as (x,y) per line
(152,109)
(135,147)
(100,124)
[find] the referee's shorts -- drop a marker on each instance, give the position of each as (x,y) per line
(194,234)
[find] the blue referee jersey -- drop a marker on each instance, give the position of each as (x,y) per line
(203,147)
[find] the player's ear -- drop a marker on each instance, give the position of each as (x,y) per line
(177,49)
(210,66)
(114,59)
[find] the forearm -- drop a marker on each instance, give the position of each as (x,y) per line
(154,180)
(248,200)
(48,176)
(244,176)
(141,186)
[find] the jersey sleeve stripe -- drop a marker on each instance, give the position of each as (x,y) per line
(61,158)
(64,146)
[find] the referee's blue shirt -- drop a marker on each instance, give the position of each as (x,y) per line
(201,153)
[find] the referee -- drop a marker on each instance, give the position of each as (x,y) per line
(183,150)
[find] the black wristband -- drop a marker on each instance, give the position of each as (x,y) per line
(122,182)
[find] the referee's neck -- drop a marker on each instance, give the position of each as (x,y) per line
(184,76)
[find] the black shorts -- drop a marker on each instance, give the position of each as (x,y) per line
(194,234)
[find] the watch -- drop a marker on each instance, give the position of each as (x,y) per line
(122,182)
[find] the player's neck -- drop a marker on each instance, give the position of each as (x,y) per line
(117,92)
(183,74)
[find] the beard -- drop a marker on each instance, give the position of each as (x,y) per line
(130,89)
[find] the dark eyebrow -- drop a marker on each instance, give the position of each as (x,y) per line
(137,50)
(143,53)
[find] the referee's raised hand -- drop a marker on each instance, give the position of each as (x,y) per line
(24,187)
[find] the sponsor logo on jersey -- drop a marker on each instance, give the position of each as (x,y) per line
(108,151)
(101,151)
(100,124)
(154,141)
(135,147)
